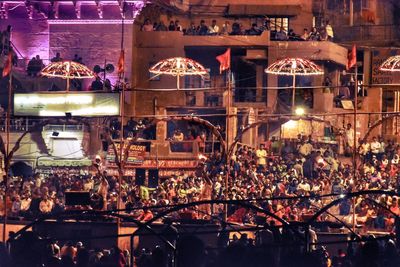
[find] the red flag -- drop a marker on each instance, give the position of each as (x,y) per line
(7,65)
(121,62)
(352,58)
(224,60)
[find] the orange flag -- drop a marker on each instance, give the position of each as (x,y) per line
(224,60)
(121,62)
(7,65)
(352,58)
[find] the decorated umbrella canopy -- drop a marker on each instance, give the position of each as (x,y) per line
(293,67)
(67,70)
(178,66)
(391,64)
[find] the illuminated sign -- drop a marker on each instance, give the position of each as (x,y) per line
(85,104)
(135,155)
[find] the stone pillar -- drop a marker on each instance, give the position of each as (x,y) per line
(272,81)
(161,132)
(232,132)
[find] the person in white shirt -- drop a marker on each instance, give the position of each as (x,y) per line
(213,29)
(46,205)
(349,136)
(261,154)
(375,147)
(364,150)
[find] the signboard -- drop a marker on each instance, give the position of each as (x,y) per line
(383,77)
(161,173)
(135,155)
(54,104)
(166,164)
(252,116)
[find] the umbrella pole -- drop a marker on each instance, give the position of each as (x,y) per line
(177,81)
(67,84)
(294,93)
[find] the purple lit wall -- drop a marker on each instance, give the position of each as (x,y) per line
(95,43)
(31,37)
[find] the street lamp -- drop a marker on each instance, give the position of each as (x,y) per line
(178,66)
(300,111)
(293,67)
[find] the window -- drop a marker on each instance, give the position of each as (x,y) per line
(277,23)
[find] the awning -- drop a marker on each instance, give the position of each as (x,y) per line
(264,10)
(51,162)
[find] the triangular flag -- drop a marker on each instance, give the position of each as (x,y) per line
(7,65)
(121,62)
(224,60)
(352,58)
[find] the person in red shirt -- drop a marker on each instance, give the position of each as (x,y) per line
(147,215)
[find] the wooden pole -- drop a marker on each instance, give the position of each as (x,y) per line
(294,93)
(6,159)
(355,145)
(227,138)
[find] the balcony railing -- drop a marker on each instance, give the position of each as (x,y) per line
(26,124)
(361,33)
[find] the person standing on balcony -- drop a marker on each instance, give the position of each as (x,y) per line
(192,29)
(226,28)
(147,26)
(178,26)
(281,35)
(329,31)
(236,28)
(306,35)
(57,58)
(213,29)
(161,27)
(201,141)
(171,26)
(314,35)
(202,29)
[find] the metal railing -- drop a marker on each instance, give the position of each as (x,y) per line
(26,124)
(385,33)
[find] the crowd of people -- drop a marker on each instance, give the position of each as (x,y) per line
(293,168)
(303,168)
(323,33)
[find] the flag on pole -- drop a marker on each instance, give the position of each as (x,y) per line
(224,60)
(352,58)
(121,62)
(7,65)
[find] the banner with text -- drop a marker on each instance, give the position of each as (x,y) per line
(383,77)
(55,104)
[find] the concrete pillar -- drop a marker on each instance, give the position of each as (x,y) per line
(351,9)
(161,132)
